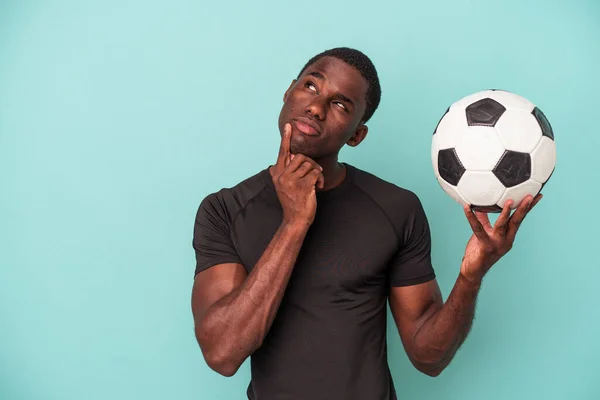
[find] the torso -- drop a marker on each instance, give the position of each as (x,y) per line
(328,340)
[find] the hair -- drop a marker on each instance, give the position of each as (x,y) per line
(364,65)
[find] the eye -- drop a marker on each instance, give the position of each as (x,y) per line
(310,86)
(341,105)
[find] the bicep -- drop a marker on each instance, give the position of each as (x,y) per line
(412,305)
(219,269)
(214,283)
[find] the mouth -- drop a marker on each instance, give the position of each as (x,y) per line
(306,126)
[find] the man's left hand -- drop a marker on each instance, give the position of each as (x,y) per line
(489,243)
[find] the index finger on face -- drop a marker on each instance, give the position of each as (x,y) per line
(284,149)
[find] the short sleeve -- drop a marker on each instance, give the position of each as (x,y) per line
(212,240)
(411,264)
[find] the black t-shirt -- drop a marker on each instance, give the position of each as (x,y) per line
(328,339)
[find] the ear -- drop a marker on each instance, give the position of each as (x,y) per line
(285,95)
(359,135)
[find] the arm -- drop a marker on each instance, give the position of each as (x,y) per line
(232,312)
(432,331)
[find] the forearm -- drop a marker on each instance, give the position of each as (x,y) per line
(235,326)
(441,335)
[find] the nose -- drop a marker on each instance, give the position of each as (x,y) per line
(317,108)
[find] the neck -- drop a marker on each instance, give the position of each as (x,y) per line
(333,172)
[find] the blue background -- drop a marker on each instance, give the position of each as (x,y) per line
(117,118)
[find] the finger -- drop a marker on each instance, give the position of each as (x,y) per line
(304,169)
(298,161)
(476,226)
(283,158)
(483,219)
(295,162)
(321,181)
(517,218)
(535,201)
(317,178)
(501,225)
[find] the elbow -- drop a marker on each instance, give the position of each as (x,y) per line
(432,368)
(220,360)
(216,355)
(222,365)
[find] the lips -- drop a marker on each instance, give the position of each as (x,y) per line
(307,126)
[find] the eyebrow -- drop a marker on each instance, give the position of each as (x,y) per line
(317,75)
(340,96)
(344,98)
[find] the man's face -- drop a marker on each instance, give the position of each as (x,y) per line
(325,107)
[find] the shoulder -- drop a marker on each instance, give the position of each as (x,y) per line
(385,193)
(227,201)
(402,206)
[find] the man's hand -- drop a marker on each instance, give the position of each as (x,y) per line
(489,243)
(296,179)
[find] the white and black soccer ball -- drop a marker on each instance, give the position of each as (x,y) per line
(490,147)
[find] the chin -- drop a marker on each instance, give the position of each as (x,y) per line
(314,155)
(309,146)
(299,147)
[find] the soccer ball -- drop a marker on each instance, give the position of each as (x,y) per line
(490,147)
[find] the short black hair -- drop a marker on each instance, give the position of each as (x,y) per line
(364,65)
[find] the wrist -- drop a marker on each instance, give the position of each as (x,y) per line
(473,282)
(299,226)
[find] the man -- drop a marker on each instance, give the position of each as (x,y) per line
(296,263)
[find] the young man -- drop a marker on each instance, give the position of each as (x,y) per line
(296,263)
